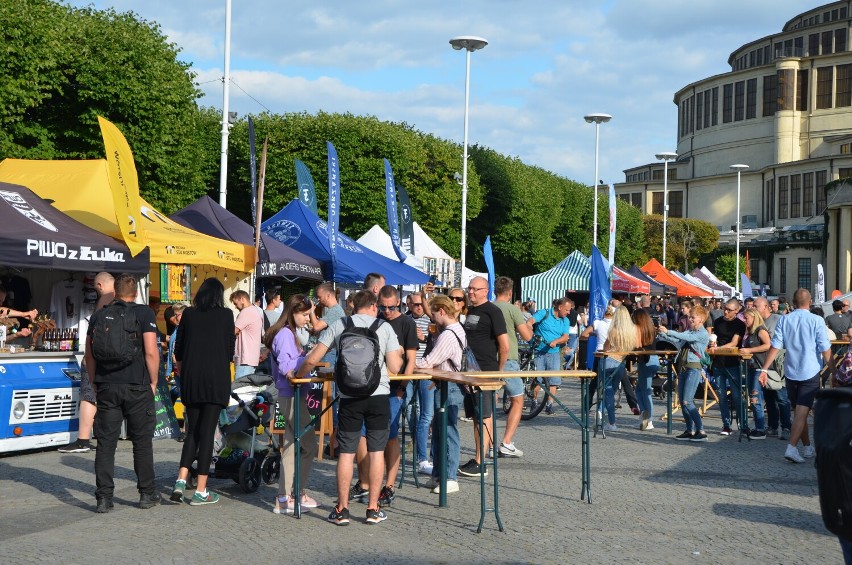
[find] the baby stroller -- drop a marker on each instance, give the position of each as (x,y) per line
(241,453)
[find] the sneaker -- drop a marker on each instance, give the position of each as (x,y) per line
(636,411)
(643,425)
(473,469)
(548,409)
(424,467)
(792,455)
(771,432)
(199,500)
(465,419)
(757,434)
(533,405)
(104,505)
(339,517)
(283,505)
(357,492)
(308,502)
(610,428)
(431,483)
(79,446)
(376,516)
(726,431)
(452,486)
(177,492)
(147,501)
(685,436)
(784,435)
(650,426)
(808,452)
(699,436)
(386,496)
(509,451)
(182,437)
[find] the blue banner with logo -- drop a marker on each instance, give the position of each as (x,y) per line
(489,265)
(600,294)
(333,202)
(406,220)
(253,171)
(307,192)
(393,218)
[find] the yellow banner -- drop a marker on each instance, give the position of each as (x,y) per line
(124,185)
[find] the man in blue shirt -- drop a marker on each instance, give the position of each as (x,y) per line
(553,326)
(804,337)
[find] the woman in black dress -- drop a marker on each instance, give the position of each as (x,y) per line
(203,351)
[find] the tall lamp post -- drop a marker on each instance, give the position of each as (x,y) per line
(469,43)
(665,157)
(596,119)
(739,169)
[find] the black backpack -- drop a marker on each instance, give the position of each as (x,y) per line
(358,370)
(116,336)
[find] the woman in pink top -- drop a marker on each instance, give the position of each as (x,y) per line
(287,355)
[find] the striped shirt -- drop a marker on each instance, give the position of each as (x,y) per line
(422,325)
(446,354)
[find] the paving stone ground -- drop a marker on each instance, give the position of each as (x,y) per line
(655,501)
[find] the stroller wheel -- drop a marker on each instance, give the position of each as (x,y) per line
(249,478)
(270,469)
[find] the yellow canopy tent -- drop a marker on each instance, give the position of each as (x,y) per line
(81,189)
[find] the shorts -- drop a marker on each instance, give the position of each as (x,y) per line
(471,404)
(87,391)
(802,393)
(514,385)
(396,405)
(549,362)
(372,411)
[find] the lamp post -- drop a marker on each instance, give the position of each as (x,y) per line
(665,157)
(739,169)
(597,119)
(469,43)
(226,82)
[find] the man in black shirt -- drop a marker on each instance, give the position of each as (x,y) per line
(486,336)
(729,332)
(126,393)
(838,322)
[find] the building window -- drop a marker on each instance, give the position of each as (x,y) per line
(785,89)
(844,86)
(813,45)
(751,98)
(699,111)
(802,92)
(808,195)
(770,200)
(795,196)
(739,100)
(845,148)
(799,50)
(782,198)
(672,173)
(826,42)
(752,58)
(805,273)
(676,204)
(754,269)
(682,118)
(844,173)
(770,95)
(759,57)
(691,114)
(715,109)
(707,109)
(727,103)
(824,91)
(625,196)
(782,268)
(657,174)
(819,188)
(657,203)
(840,40)
(636,199)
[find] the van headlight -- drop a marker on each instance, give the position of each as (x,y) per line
(19,410)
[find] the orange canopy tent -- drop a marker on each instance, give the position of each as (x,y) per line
(654,269)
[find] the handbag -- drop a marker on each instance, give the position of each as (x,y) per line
(774,380)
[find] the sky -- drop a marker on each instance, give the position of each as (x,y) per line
(547,64)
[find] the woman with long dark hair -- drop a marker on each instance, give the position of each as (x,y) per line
(203,351)
(287,356)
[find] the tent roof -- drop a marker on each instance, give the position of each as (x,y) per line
(81,189)
(654,269)
(622,281)
(34,234)
(295,225)
(378,240)
(570,274)
(276,259)
(656,288)
(689,279)
(708,275)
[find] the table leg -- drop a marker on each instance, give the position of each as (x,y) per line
(441,453)
(586,489)
(744,400)
(480,423)
(670,385)
(297,446)
(403,412)
(494,460)
(599,389)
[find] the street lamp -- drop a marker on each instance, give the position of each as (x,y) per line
(469,43)
(665,157)
(597,119)
(739,169)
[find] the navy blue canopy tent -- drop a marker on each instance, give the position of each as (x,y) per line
(298,227)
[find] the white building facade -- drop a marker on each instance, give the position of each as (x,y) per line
(785,110)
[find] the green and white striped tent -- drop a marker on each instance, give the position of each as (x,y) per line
(570,274)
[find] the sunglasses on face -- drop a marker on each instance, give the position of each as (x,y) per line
(416,304)
(388,308)
(457,298)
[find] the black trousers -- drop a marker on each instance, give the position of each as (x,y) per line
(200,430)
(135,403)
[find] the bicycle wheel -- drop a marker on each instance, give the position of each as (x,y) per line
(532,407)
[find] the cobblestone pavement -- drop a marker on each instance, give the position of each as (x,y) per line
(655,500)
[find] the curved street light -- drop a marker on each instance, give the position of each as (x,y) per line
(665,157)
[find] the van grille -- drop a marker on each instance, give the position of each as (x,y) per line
(45,405)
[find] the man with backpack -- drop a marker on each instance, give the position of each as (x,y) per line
(122,354)
(367,350)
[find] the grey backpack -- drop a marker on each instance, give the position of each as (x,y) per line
(358,370)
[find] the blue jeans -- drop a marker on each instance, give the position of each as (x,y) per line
(573,340)
(756,399)
(426,399)
(455,400)
(612,376)
(727,377)
(243,370)
(549,362)
(687,384)
(778,404)
(645,384)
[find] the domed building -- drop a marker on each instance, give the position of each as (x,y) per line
(785,111)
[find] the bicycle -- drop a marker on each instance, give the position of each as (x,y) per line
(532,385)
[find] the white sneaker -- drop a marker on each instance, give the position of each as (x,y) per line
(509,451)
(792,455)
(424,468)
(808,452)
(452,486)
(610,428)
(650,425)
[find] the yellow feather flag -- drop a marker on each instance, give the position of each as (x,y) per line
(124,185)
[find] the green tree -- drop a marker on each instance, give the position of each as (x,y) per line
(726,268)
(687,240)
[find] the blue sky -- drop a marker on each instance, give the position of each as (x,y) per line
(548,63)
